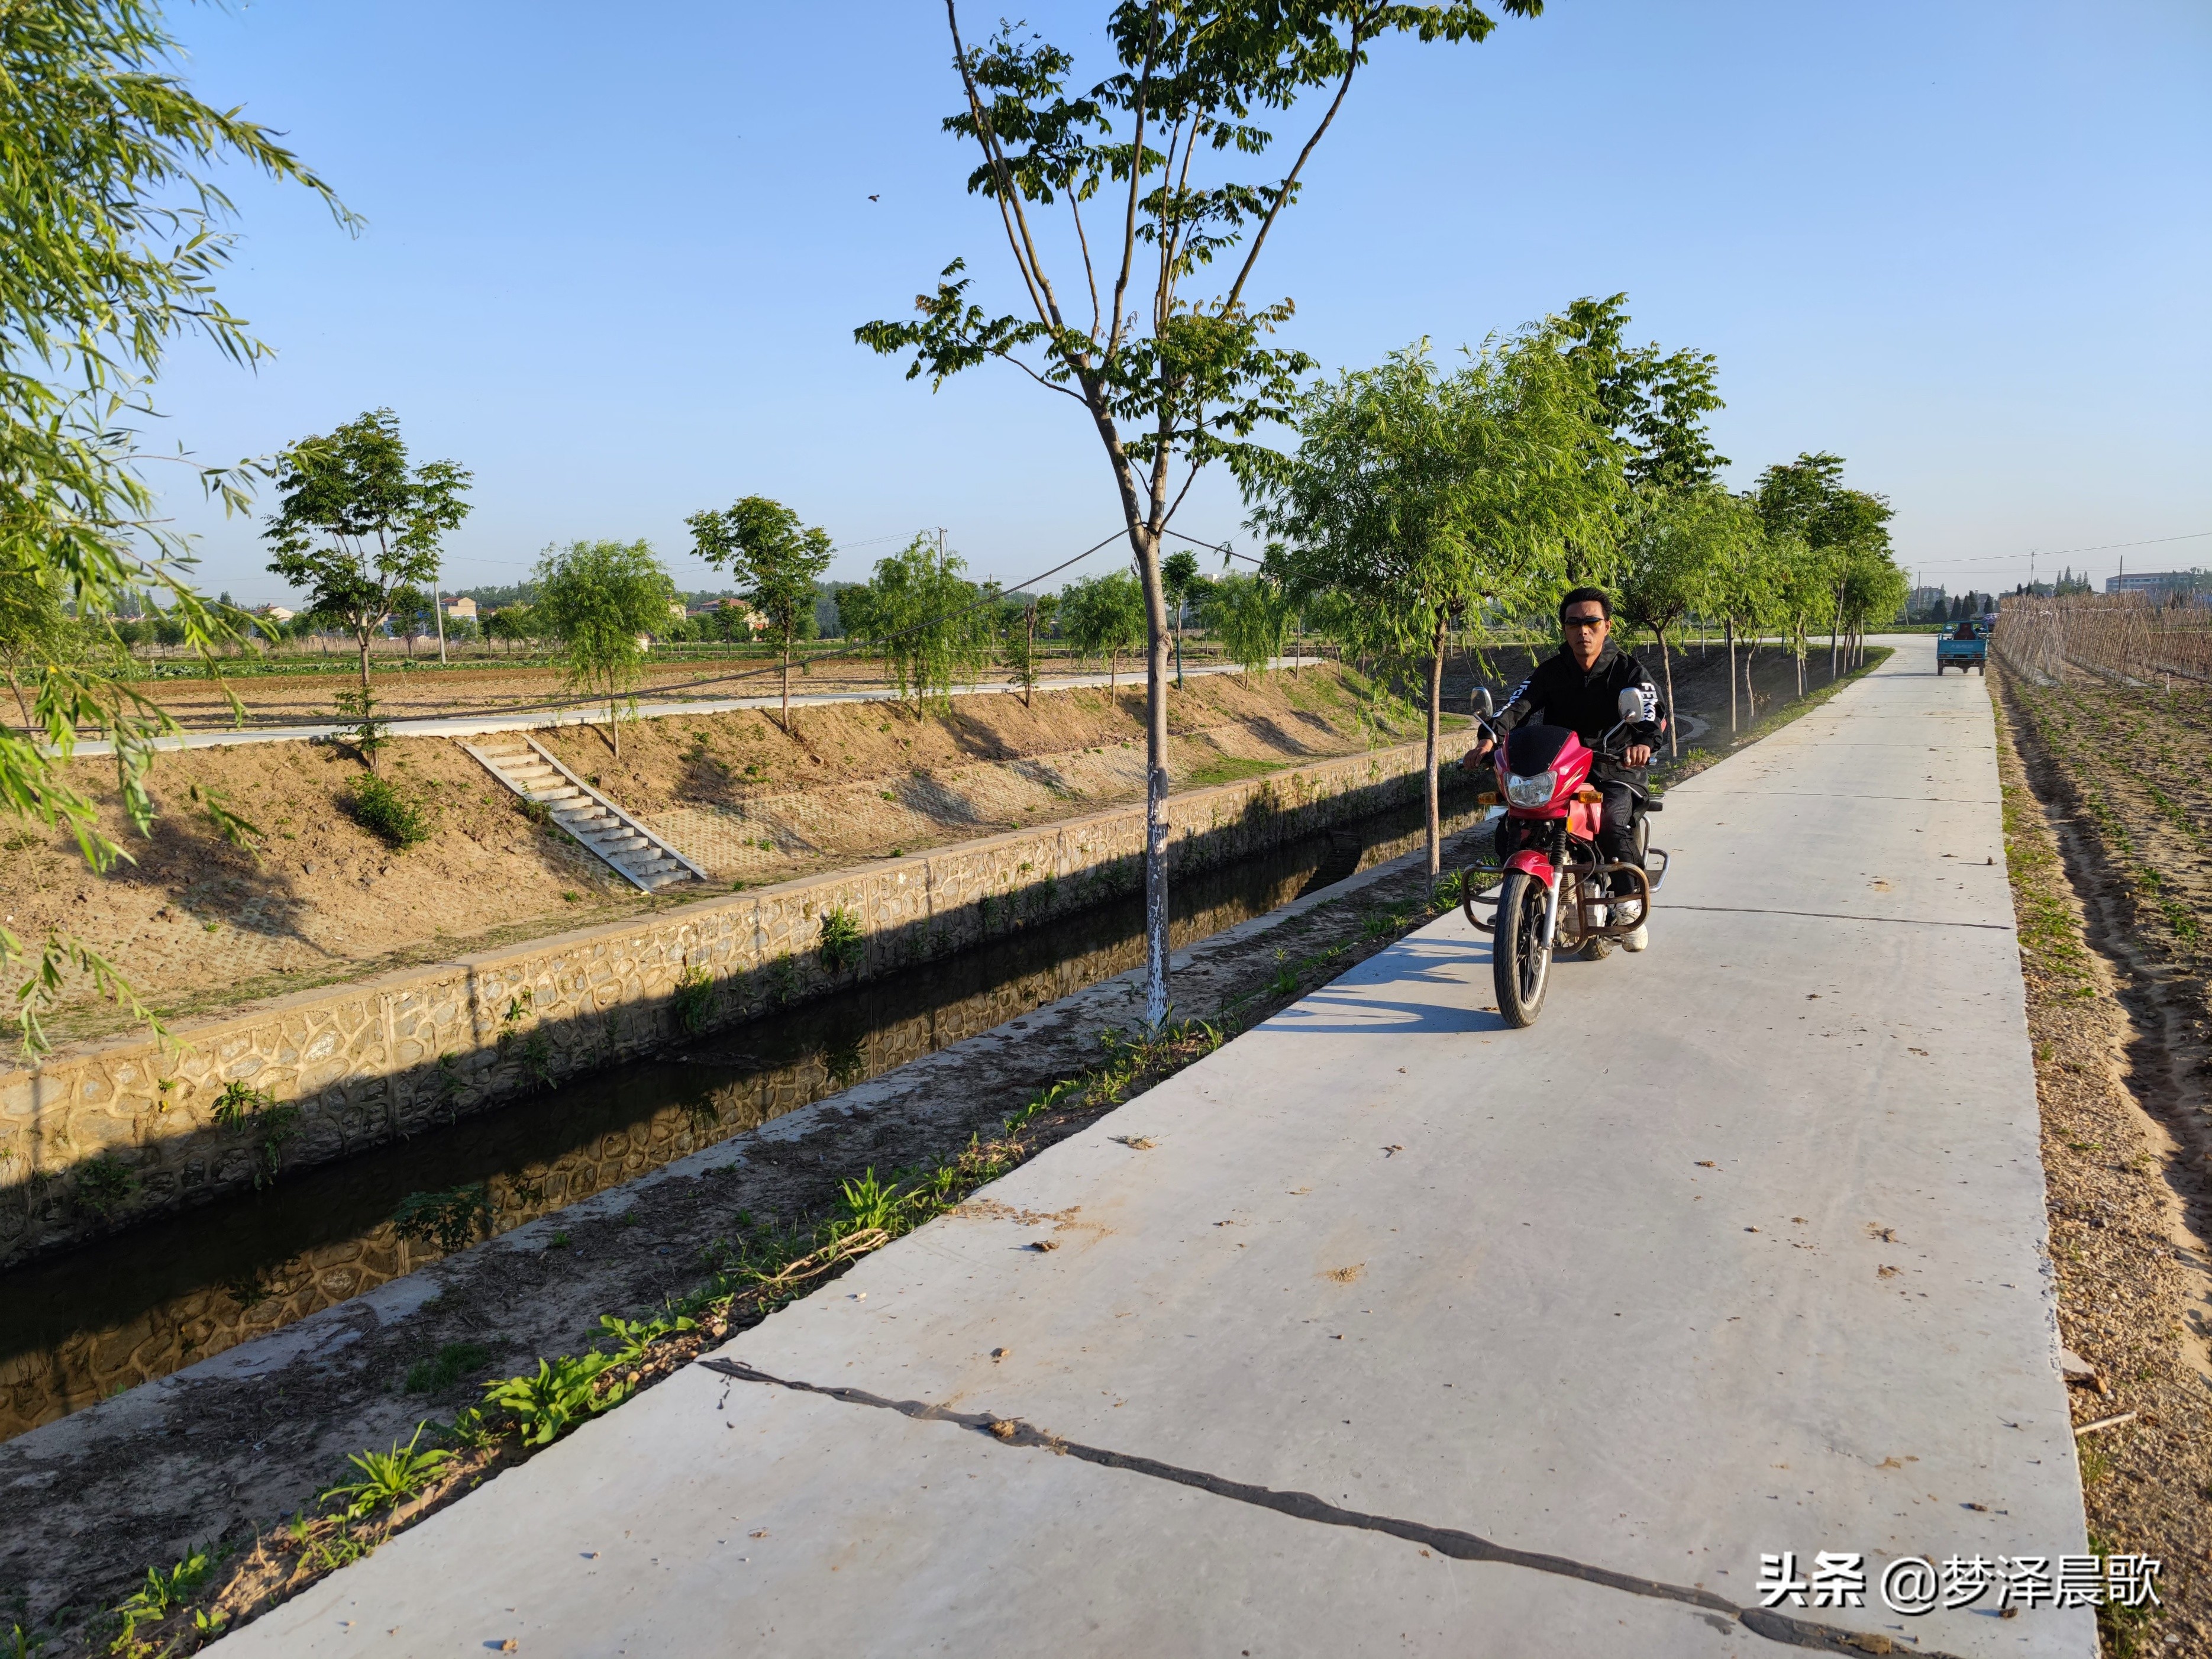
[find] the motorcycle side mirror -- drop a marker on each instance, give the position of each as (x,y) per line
(1632,705)
(1482,700)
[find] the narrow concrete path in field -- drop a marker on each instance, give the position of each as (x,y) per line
(1387,1330)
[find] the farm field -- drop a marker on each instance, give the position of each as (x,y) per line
(292,690)
(2106,807)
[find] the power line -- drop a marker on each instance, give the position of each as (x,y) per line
(1226,551)
(2065,552)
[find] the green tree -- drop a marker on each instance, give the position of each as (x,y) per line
(1741,581)
(778,561)
(1181,580)
(1671,542)
(511,624)
(1250,616)
(1423,497)
(356,527)
(925,620)
(1654,402)
(1808,497)
(410,615)
(1168,379)
(35,633)
(602,601)
(1019,621)
(1104,617)
(116,234)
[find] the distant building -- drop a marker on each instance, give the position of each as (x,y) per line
(2160,584)
(461,609)
(276,613)
(753,620)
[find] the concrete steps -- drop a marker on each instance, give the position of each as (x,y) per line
(524,766)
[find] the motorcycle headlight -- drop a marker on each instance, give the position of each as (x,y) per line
(1531,792)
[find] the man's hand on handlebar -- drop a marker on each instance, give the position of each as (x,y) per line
(1638,755)
(1480,752)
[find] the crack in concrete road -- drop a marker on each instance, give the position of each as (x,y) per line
(1304,1506)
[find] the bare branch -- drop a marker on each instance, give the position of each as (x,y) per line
(1090,274)
(1010,198)
(1283,194)
(1049,385)
(997,163)
(1136,181)
(1175,506)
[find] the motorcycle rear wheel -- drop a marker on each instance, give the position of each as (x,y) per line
(1521,963)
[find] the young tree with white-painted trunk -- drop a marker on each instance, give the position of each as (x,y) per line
(1168,381)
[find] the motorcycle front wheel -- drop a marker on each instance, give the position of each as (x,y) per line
(1521,962)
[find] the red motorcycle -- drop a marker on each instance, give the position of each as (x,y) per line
(1552,886)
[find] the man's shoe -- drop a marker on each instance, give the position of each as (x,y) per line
(1637,940)
(1626,911)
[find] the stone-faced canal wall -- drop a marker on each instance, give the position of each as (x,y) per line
(100,1135)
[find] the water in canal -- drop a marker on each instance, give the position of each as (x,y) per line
(86,1324)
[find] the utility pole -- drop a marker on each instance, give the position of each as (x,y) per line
(438,610)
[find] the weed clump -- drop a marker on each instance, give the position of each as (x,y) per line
(243,1109)
(447,1367)
(448,1219)
(393,818)
(840,946)
(693,999)
(388,1479)
(102,1185)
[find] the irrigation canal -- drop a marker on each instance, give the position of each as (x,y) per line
(89,1323)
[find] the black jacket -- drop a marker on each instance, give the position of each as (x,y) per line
(1588,703)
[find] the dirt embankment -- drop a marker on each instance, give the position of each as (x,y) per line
(2104,835)
(196,922)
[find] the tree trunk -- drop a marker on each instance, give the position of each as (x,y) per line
(1029,660)
(1674,714)
(1155,777)
(1729,623)
(1435,825)
(1178,644)
(787,684)
(1750,693)
(1835,615)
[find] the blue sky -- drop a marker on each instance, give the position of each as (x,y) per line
(614,257)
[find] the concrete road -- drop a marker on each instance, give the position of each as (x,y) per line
(1387,1330)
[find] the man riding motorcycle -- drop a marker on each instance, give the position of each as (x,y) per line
(1580,688)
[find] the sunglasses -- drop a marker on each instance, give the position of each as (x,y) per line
(1597,621)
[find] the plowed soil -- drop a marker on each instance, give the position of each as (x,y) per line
(2105,805)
